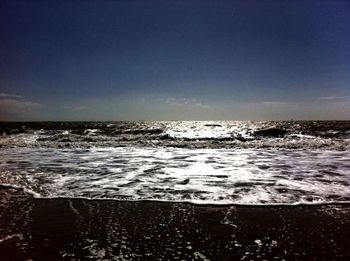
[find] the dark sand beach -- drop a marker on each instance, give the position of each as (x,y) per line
(76,229)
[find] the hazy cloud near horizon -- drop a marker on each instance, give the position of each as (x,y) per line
(15,107)
(158,108)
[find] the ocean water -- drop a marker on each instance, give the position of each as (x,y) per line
(244,163)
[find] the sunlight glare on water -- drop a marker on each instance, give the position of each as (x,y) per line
(203,176)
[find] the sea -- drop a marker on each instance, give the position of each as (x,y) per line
(200,162)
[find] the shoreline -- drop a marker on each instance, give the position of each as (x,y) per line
(36,196)
(79,229)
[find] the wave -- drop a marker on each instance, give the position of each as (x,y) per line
(223,134)
(35,195)
(215,176)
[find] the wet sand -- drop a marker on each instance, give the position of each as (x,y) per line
(67,229)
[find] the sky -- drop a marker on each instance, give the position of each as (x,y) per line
(174,60)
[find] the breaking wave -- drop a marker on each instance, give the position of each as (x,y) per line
(180,134)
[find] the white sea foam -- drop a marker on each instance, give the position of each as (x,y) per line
(202,176)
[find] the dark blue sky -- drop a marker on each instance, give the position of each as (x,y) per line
(81,60)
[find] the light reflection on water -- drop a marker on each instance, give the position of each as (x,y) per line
(204,176)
